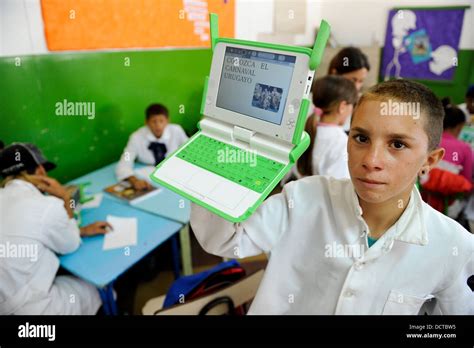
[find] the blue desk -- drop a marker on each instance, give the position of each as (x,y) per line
(166,204)
(103,267)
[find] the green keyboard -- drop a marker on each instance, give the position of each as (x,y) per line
(243,167)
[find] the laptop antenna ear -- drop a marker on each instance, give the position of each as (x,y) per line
(214,25)
(319,45)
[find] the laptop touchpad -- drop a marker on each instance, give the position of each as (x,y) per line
(228,194)
(201,182)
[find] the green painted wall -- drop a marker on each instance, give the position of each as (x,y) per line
(463,77)
(29,92)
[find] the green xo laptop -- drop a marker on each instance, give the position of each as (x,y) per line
(254,109)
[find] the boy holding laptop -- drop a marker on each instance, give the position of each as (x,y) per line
(364,245)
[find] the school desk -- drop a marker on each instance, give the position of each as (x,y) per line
(166,204)
(100,267)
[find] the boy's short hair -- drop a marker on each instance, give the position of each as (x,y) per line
(156,109)
(402,90)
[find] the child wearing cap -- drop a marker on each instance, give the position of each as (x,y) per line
(364,245)
(33,229)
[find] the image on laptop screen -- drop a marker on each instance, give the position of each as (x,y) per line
(255,83)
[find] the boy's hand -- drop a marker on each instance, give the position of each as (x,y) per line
(138,184)
(98,227)
(51,186)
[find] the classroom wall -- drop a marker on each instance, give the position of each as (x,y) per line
(463,78)
(358,23)
(29,93)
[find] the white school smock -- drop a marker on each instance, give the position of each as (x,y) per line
(137,147)
(424,255)
(32,221)
(330,152)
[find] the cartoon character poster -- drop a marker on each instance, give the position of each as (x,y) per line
(422,43)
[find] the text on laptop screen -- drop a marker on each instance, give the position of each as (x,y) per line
(255,83)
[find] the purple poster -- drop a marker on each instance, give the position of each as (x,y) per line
(422,44)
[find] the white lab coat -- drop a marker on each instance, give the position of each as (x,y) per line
(329,155)
(330,152)
(28,284)
(423,256)
(137,148)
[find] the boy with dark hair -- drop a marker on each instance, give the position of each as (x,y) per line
(364,245)
(150,144)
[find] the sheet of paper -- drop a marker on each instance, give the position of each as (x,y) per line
(124,233)
(94,203)
(145,172)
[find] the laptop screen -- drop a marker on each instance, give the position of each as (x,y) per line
(255,83)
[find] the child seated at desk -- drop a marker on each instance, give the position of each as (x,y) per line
(33,228)
(150,144)
(365,245)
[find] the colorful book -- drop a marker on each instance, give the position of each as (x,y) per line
(124,190)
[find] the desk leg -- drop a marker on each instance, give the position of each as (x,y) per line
(105,302)
(108,301)
(112,303)
(186,257)
(175,249)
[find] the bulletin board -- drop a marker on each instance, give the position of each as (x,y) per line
(102,24)
(422,43)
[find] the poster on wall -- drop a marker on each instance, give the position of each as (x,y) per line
(92,24)
(422,43)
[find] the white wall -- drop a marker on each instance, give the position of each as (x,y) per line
(353,22)
(21,28)
(364,21)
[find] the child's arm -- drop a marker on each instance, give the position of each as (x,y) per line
(458,298)
(258,234)
(59,232)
